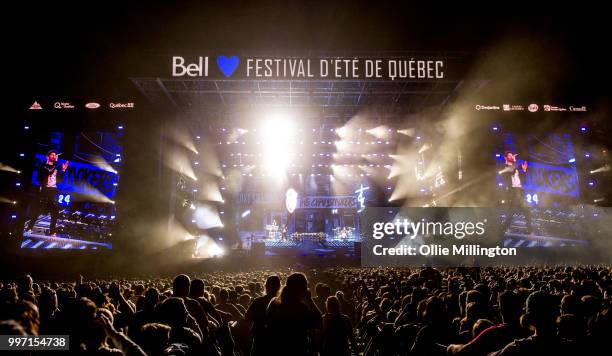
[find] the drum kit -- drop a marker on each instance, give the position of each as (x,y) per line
(344,233)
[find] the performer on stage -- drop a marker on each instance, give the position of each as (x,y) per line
(47,194)
(514,178)
(284,233)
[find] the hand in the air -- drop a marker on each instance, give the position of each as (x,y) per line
(107,324)
(524,165)
(64,165)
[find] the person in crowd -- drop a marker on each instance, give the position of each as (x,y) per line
(337,336)
(496,336)
(225,306)
(540,316)
(180,289)
(256,316)
(197,292)
(291,317)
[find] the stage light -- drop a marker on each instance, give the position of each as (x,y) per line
(120,127)
(22,155)
(6,168)
(198,137)
(591,183)
(583,129)
(424,148)
(18,184)
(601,169)
(277,134)
(407,132)
(206,217)
(26,127)
(378,132)
(214,250)
(246,213)
(572,160)
(7,201)
(342,131)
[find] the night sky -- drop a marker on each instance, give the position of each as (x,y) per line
(93,48)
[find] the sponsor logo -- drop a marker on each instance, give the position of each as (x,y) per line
(579,108)
(35,106)
(533,107)
(227,65)
(554,108)
(129,105)
(508,107)
(63,105)
(487,107)
(198,69)
(92,105)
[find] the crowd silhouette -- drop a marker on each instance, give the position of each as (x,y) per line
(338,311)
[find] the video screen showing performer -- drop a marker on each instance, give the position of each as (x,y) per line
(70,196)
(514,177)
(47,192)
(539,181)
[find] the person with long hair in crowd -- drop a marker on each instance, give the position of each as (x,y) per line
(291,317)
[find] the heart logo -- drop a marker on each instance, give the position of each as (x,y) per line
(227,65)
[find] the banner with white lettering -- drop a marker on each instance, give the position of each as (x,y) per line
(82,178)
(551,179)
(328,202)
(242,67)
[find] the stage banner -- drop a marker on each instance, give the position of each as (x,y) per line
(239,66)
(81,178)
(251,198)
(551,179)
(328,202)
